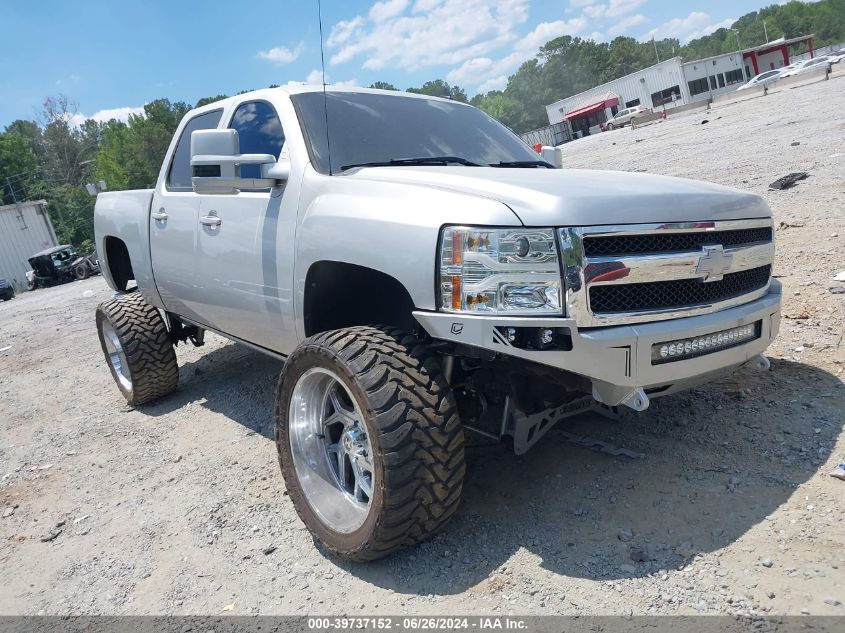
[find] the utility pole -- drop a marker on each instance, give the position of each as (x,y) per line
(17,203)
(656,54)
(738,45)
(765,32)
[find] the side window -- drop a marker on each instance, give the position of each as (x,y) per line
(179,174)
(259,132)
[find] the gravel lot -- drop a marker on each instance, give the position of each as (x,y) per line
(175,508)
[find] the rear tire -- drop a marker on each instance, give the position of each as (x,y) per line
(82,272)
(401,412)
(610,127)
(137,349)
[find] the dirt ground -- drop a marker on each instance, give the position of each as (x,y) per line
(175,508)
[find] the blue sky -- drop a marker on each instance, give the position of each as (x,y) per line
(112,57)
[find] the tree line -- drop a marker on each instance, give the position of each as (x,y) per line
(53,156)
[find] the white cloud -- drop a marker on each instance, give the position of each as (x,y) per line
(612,9)
(711,28)
(421,6)
(577,4)
(315,77)
(102,116)
(282,54)
(622,7)
(435,32)
(489,74)
(696,24)
(626,23)
(382,11)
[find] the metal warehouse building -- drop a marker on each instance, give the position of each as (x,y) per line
(669,84)
(25,229)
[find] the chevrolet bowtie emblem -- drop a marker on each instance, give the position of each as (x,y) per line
(714,263)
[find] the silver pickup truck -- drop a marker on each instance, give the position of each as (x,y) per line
(424,275)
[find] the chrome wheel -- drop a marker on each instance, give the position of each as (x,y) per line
(331,450)
(116,356)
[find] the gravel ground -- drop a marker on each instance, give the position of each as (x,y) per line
(176,508)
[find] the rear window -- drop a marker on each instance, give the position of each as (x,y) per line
(179,174)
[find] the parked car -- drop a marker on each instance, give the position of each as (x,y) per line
(836,57)
(806,66)
(59,265)
(624,117)
(7,291)
(422,282)
(763,79)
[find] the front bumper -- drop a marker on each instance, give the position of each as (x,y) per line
(618,359)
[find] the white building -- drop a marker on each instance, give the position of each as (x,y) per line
(650,87)
(670,84)
(25,229)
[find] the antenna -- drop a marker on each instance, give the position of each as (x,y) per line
(325,98)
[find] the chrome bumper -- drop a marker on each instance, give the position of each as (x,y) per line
(618,360)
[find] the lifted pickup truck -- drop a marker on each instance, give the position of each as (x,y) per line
(423,274)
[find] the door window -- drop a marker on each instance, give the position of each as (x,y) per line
(259,132)
(179,174)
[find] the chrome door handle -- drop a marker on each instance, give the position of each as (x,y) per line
(210,220)
(159,215)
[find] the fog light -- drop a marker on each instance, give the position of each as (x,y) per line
(700,345)
(547,336)
(510,334)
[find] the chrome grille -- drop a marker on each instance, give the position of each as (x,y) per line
(655,243)
(680,293)
(649,272)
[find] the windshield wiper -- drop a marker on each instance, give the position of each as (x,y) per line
(422,160)
(523,163)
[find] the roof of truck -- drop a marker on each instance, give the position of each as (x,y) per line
(54,249)
(297,88)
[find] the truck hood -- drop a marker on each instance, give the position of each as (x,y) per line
(578,197)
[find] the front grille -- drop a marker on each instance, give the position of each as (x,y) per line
(672,242)
(684,293)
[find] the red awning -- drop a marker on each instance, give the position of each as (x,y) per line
(595,104)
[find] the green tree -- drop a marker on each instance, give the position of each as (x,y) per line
(383,85)
(207,100)
(19,171)
(440,88)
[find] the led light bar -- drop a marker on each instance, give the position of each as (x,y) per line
(685,348)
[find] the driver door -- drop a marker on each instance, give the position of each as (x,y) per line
(242,279)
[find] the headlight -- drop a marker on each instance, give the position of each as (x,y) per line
(511,271)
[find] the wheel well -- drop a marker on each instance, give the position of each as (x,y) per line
(340,295)
(118,262)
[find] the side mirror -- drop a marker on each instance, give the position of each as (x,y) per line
(216,164)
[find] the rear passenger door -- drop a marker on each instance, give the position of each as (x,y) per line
(174,224)
(238,270)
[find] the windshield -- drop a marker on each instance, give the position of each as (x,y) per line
(370,128)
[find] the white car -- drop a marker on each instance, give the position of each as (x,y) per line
(807,65)
(763,79)
(623,117)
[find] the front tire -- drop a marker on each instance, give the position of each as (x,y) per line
(137,348)
(82,272)
(370,443)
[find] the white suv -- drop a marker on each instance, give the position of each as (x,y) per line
(623,117)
